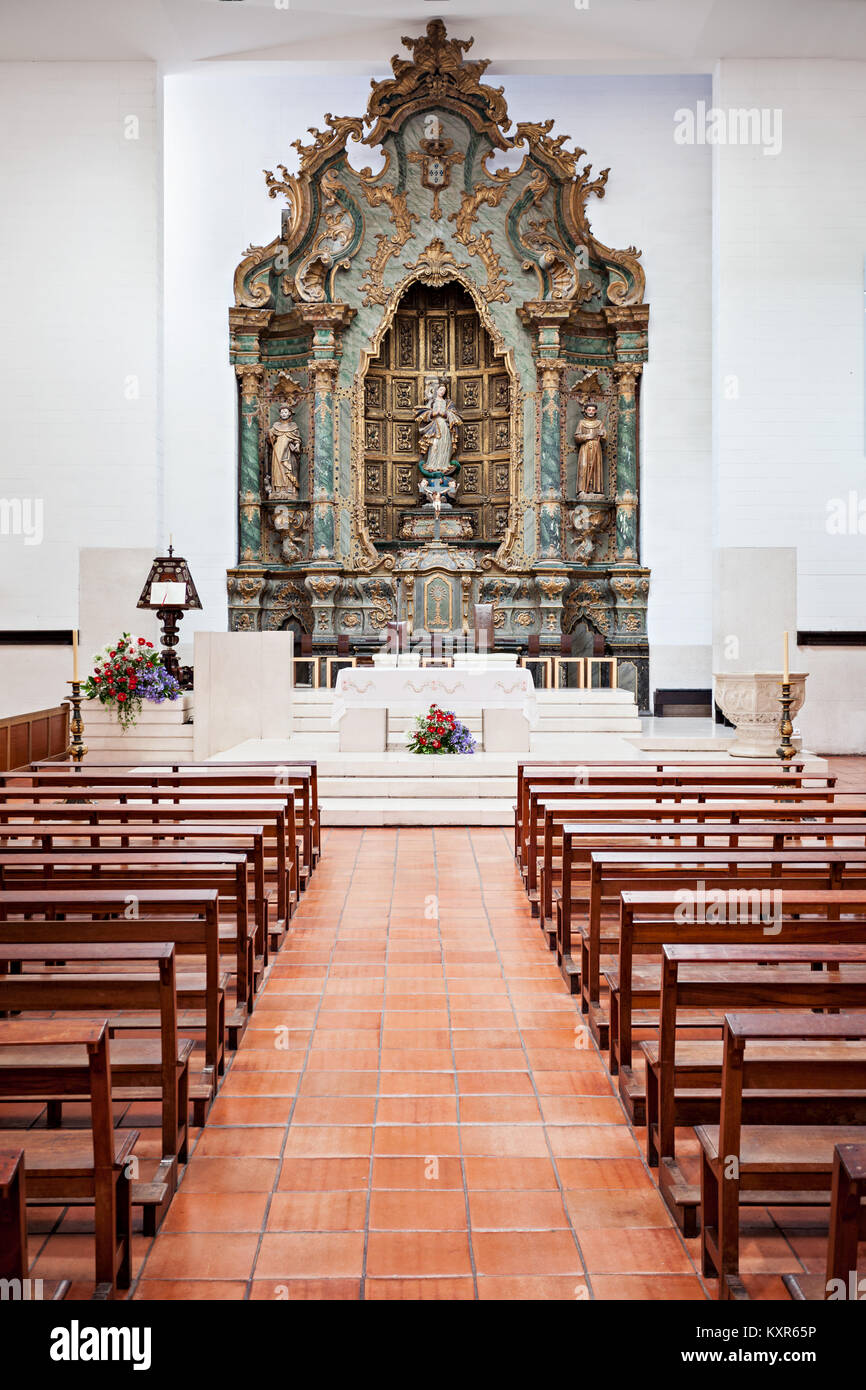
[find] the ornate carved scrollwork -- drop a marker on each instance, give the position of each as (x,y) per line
(437,75)
(285,320)
(254,291)
(480,244)
(386,246)
(292,523)
(436,264)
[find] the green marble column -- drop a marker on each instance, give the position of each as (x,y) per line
(249,476)
(324,482)
(328,321)
(550,510)
(626,462)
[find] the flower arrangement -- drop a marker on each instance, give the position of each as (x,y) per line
(439,731)
(125,674)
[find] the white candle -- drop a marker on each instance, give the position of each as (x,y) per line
(167,595)
(786,676)
(75,653)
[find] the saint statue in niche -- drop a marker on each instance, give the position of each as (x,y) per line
(285,438)
(590,465)
(438,424)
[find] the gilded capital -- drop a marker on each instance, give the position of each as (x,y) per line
(627,374)
(250,377)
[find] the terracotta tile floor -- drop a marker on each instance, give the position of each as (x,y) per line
(414,1113)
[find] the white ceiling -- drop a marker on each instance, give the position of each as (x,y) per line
(361,35)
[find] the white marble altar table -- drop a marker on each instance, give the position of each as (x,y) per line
(464,691)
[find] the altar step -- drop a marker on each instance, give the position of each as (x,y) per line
(162,732)
(400,788)
(562,715)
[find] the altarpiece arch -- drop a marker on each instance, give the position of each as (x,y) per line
(443,305)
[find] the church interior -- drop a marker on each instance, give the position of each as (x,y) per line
(432,768)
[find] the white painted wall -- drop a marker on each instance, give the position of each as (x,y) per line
(789,281)
(79,275)
(221,131)
(658,198)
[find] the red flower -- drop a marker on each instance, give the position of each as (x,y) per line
(435,743)
(150,644)
(96,680)
(141,641)
(121,698)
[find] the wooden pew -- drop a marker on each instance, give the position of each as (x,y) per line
(193,782)
(612,872)
(14,1260)
(140,1070)
(635,782)
(149,820)
(302,776)
(565,772)
(134,869)
(847,1231)
(784,1163)
(315,809)
(222,769)
(549,812)
(119,803)
(683,1077)
(648,921)
(89,1165)
(581,838)
(222,840)
(188,918)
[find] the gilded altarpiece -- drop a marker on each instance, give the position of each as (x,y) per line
(466,259)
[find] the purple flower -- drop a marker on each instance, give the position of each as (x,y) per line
(156,684)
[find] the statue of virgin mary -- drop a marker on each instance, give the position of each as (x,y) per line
(438,423)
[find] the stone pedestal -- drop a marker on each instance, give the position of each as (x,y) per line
(484,661)
(752,702)
(396,659)
(420,524)
(505,731)
(363,730)
(243,688)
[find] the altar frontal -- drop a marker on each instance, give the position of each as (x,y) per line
(503,695)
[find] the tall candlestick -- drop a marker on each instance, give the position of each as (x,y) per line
(787,675)
(75,653)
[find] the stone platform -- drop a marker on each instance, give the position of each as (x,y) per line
(398,788)
(162,732)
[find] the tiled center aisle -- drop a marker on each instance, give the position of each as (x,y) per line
(414,1111)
